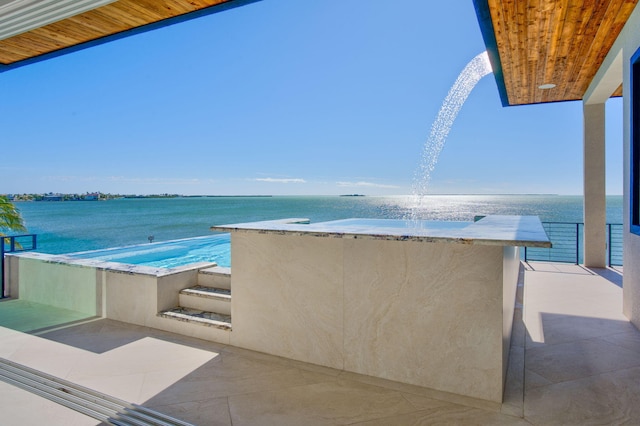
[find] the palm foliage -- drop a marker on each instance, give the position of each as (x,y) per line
(10,219)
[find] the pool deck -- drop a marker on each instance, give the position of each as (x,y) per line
(575,360)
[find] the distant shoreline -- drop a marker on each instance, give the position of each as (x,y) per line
(71,227)
(58,197)
(50,197)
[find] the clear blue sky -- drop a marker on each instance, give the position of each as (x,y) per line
(285,97)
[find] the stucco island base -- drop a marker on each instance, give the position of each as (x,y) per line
(426,313)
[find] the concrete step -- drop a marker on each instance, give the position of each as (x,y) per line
(208,299)
(217,277)
(199,317)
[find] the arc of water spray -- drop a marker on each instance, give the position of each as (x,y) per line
(477,68)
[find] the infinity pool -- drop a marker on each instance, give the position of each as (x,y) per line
(217,248)
(168,254)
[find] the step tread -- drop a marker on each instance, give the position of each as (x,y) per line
(216,270)
(210,292)
(211,319)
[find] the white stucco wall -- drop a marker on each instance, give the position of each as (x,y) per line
(630,40)
(624,47)
(132,294)
(428,314)
(71,287)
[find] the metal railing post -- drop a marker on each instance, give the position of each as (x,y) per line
(2,267)
(609,243)
(12,249)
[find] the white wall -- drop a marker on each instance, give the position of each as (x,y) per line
(427,314)
(73,287)
(132,294)
(627,43)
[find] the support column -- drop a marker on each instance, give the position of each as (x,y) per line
(595,209)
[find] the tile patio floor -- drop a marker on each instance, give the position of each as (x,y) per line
(575,360)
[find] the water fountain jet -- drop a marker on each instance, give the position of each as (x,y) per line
(472,73)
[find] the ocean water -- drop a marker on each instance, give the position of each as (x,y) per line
(72,226)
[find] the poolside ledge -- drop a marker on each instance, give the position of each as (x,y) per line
(415,303)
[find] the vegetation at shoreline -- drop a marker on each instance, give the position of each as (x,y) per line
(89,196)
(99,196)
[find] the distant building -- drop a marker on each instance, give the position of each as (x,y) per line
(92,197)
(53,197)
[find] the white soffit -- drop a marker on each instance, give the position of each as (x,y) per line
(606,81)
(19,16)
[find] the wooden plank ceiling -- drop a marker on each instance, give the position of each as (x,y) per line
(561,42)
(531,42)
(114,18)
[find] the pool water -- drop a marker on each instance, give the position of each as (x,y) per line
(168,254)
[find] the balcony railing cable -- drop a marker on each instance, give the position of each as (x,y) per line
(567,239)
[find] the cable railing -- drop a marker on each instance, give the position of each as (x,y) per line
(14,244)
(614,244)
(567,239)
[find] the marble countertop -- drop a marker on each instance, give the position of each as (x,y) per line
(490,230)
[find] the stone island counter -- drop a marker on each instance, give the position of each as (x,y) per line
(423,303)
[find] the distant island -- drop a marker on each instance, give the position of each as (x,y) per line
(100,196)
(89,196)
